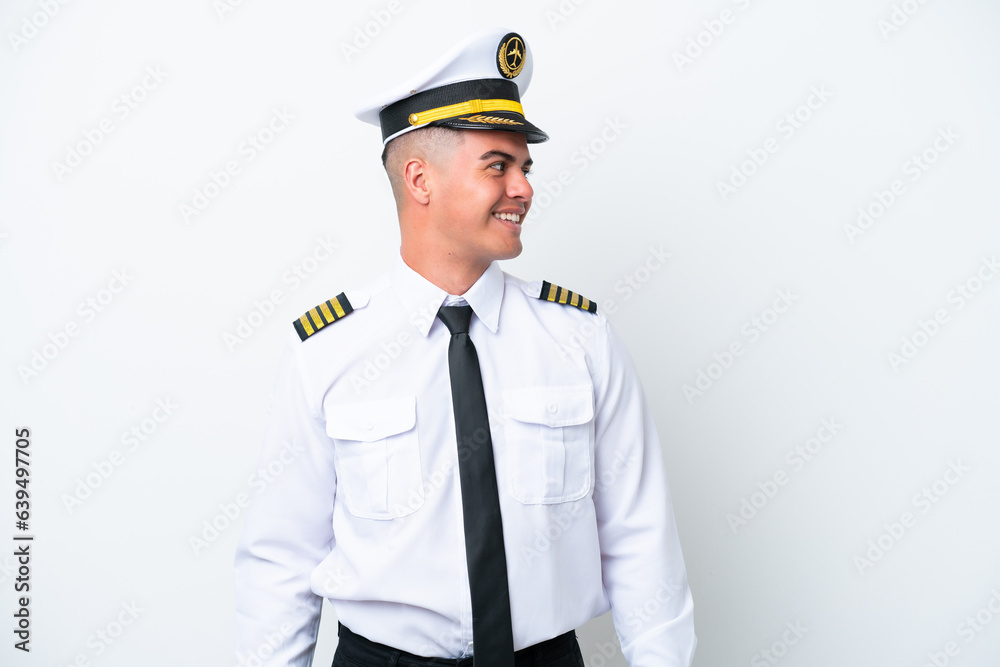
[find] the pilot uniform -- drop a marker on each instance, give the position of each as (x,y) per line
(370,513)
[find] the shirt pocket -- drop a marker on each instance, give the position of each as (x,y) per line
(549,433)
(378,456)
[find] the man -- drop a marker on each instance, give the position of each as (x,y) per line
(476,471)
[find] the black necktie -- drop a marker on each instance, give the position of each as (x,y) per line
(492,636)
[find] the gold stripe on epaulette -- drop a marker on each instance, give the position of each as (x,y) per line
(325,313)
(556,294)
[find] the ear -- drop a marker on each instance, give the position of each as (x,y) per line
(417,181)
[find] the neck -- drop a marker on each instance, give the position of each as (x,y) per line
(453,274)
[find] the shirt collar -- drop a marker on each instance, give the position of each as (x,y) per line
(421,298)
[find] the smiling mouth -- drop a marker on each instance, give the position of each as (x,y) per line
(509,217)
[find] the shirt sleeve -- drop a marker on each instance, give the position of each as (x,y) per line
(288,529)
(642,564)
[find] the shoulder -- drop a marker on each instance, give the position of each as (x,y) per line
(545,291)
(560,319)
(330,312)
(566,318)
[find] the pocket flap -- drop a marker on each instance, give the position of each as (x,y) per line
(552,406)
(371,420)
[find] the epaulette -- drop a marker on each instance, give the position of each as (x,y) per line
(325,313)
(558,294)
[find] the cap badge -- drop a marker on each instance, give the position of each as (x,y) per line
(510,55)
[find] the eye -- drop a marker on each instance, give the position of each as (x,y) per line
(500,166)
(528,172)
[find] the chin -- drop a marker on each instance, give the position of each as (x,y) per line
(512,252)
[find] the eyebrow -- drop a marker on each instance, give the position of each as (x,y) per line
(489,155)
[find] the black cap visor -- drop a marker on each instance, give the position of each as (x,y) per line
(505,121)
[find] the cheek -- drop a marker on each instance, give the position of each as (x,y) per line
(483,197)
(473,198)
(466,205)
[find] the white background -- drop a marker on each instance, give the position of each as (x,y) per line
(682,128)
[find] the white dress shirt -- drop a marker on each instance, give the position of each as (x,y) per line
(369,512)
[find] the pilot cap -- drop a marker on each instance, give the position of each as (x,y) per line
(477,85)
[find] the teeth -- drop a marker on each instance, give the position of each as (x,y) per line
(512,217)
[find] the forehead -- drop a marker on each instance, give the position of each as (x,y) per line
(477,142)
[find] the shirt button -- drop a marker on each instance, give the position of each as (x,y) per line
(553,408)
(369,425)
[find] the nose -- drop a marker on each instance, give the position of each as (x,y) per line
(518,186)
